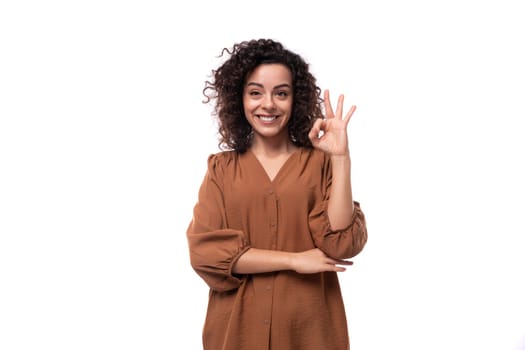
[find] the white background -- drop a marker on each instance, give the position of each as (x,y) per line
(104,140)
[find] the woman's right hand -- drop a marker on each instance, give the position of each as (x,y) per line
(315,261)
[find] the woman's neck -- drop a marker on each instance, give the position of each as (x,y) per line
(272,148)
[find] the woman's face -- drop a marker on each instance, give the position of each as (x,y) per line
(267,100)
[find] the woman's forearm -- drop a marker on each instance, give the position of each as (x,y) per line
(314,260)
(341,204)
(260,260)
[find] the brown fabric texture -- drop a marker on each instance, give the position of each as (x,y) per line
(239,207)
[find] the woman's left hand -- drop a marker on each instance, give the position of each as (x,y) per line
(330,134)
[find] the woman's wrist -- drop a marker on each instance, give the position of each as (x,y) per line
(340,158)
(292,261)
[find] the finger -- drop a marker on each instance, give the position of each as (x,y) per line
(328,105)
(349,114)
(339,110)
(339,262)
(330,267)
(313,135)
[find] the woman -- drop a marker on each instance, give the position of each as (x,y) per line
(275,218)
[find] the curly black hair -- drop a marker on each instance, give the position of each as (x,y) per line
(227,86)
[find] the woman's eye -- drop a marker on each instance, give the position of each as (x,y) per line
(254,93)
(282,94)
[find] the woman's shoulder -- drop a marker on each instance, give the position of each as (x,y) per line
(223,157)
(314,155)
(221,161)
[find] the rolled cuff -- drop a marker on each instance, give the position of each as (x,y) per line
(212,256)
(343,243)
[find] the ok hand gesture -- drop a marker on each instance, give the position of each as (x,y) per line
(329,134)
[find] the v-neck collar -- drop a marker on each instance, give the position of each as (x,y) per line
(279,172)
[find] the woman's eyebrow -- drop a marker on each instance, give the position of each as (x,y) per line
(282,85)
(275,87)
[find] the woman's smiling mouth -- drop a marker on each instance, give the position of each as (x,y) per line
(266,118)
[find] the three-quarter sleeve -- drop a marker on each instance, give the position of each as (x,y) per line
(214,248)
(339,244)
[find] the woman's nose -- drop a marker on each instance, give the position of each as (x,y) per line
(268,102)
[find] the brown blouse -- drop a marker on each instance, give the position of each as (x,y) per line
(238,208)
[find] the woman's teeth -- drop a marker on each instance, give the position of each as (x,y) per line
(267,119)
